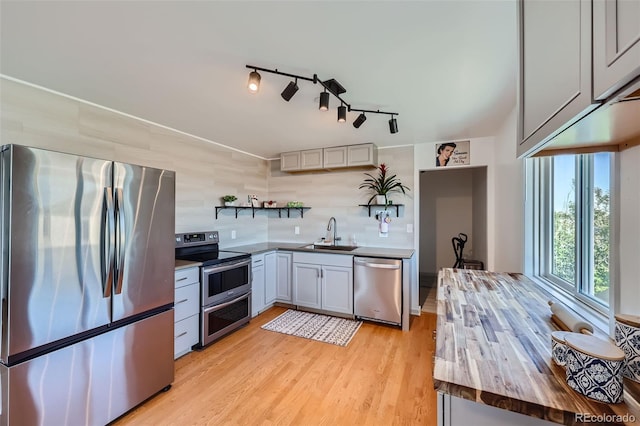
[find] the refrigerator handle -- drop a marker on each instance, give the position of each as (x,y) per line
(121,240)
(108,243)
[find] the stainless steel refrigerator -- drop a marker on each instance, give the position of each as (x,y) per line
(87,286)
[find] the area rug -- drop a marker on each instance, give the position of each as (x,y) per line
(323,328)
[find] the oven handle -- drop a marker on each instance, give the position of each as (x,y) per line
(226,266)
(225,304)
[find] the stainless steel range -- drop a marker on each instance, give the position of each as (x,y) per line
(225,281)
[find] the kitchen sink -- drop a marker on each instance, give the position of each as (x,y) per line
(333,248)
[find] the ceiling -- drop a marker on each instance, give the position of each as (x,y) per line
(448,68)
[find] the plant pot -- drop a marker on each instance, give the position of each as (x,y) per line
(229,203)
(381,199)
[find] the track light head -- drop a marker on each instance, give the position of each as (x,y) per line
(359,120)
(393,125)
(342,114)
(254,82)
(290,90)
(324,101)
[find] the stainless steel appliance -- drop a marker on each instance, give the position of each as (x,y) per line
(377,289)
(225,279)
(86,281)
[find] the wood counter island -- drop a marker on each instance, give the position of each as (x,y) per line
(493,347)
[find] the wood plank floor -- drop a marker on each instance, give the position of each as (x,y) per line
(254,376)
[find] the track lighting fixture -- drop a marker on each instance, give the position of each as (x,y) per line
(254,81)
(290,90)
(359,120)
(393,125)
(324,100)
(342,114)
(331,87)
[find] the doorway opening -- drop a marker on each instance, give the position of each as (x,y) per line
(452,201)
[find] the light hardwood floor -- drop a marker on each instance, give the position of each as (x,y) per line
(259,377)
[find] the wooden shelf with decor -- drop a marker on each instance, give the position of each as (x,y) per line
(253,210)
(386,207)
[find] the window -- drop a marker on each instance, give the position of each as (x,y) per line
(572,224)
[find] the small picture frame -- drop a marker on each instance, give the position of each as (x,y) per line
(253,199)
(453,154)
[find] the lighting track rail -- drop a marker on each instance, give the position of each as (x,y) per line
(330,87)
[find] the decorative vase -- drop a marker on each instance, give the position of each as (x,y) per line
(381,199)
(229,203)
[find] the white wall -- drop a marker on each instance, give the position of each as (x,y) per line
(482,154)
(204,171)
(336,194)
(479,243)
(629,248)
(446,209)
(506,215)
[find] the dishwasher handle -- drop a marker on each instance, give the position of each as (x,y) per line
(371,264)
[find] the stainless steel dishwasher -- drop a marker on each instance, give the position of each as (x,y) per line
(377,289)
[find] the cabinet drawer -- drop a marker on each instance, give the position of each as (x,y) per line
(187,301)
(187,276)
(186,334)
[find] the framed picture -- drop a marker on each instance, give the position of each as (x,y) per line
(453,154)
(253,199)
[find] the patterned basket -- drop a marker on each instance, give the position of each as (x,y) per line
(594,368)
(558,347)
(628,339)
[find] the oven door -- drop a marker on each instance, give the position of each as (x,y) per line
(221,319)
(225,281)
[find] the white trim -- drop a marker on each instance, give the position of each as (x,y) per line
(599,320)
(26,83)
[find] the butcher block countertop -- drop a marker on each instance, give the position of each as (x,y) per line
(493,346)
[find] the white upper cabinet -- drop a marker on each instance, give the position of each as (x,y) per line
(330,158)
(311,159)
(362,155)
(290,161)
(577,57)
(616,45)
(555,68)
(335,157)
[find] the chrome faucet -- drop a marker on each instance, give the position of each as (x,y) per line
(334,229)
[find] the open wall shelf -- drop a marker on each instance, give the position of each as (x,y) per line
(385,206)
(253,210)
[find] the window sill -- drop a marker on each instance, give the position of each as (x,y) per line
(596,318)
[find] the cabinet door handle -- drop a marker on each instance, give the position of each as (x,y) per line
(182,301)
(180,335)
(182,279)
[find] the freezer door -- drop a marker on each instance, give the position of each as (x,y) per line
(145,254)
(94,381)
(53,242)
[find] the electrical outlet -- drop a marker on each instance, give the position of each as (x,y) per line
(233,235)
(296,230)
(410,228)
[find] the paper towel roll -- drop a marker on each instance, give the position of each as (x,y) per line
(384,227)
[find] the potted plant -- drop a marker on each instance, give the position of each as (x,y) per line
(229,200)
(382,185)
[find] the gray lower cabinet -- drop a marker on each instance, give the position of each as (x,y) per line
(283,276)
(271,280)
(257,284)
(454,411)
(186,310)
(323,281)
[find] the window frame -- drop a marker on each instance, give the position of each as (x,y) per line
(540,218)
